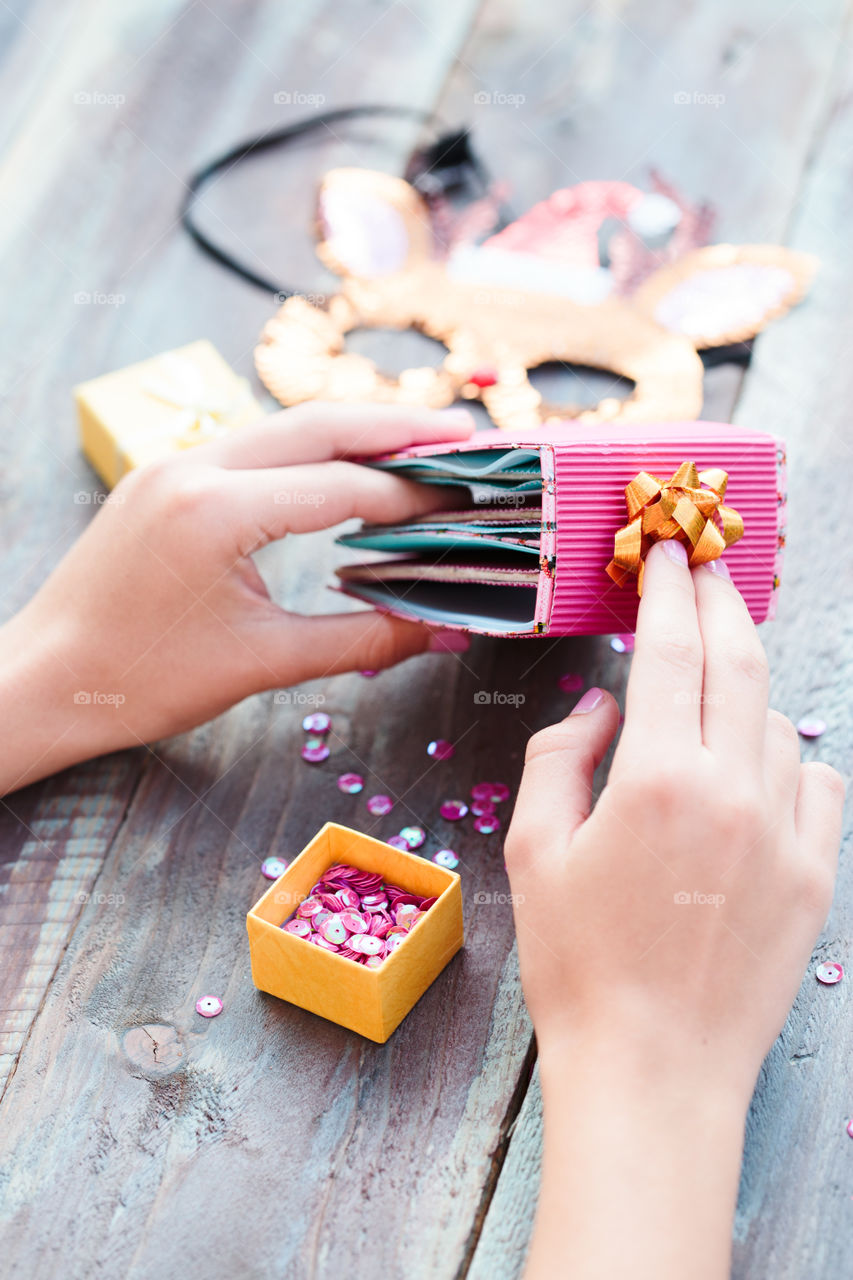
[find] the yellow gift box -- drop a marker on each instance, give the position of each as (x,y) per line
(372,1002)
(148,410)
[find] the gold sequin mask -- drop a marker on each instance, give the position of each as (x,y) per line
(533,293)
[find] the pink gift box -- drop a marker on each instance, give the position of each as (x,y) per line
(584,472)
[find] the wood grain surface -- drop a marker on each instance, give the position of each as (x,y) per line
(138,1140)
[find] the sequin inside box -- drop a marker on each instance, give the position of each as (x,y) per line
(370,1001)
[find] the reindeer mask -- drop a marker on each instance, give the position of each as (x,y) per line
(535,292)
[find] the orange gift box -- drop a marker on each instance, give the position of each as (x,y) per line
(372,1002)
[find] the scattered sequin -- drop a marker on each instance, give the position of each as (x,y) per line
(453,810)
(208,1006)
(811,727)
(488,823)
(368,675)
(479,807)
(829,973)
(315,753)
(622,644)
(492,792)
(351,783)
(272,868)
(413,836)
(441,749)
(570,682)
(380,805)
(398,842)
(446,858)
(317,722)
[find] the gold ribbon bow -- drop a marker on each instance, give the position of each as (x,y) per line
(678,508)
(201,413)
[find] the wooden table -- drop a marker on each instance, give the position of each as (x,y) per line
(266,1142)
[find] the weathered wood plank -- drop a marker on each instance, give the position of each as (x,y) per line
(52,843)
(267,1100)
(599,102)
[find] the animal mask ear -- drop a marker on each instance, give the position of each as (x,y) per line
(726,293)
(371,224)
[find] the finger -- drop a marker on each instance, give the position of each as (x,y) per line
(317,432)
(277,501)
(556,787)
(734,704)
(781,762)
(308,648)
(665,685)
(820,803)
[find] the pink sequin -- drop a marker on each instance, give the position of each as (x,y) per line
(309,907)
(446,858)
(488,823)
(380,805)
(300,928)
(351,783)
(441,749)
(317,722)
(479,807)
(811,727)
(453,810)
(272,868)
(208,1006)
(622,644)
(398,842)
(829,973)
(315,754)
(354,922)
(570,682)
(494,792)
(361,920)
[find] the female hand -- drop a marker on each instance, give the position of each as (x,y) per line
(157,618)
(663,935)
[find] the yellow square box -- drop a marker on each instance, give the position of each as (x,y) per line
(370,1001)
(151,409)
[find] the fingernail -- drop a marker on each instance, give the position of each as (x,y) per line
(448,642)
(590,700)
(676,551)
(720,568)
